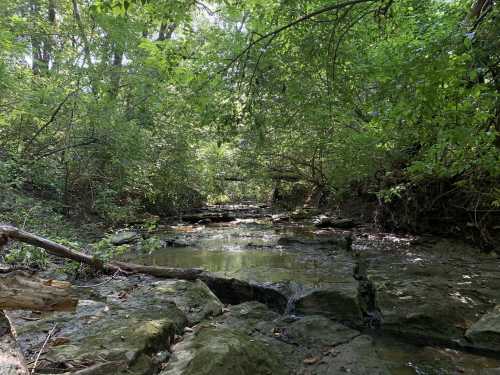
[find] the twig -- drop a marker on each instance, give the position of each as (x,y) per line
(43,347)
(100,284)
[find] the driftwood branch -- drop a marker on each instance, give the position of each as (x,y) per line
(8,232)
(21,290)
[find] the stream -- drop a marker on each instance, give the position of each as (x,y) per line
(281,296)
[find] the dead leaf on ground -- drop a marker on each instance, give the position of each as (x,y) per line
(311,360)
(56,341)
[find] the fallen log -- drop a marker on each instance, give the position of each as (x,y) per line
(11,359)
(21,290)
(8,232)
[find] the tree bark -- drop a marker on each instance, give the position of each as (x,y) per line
(21,290)
(8,232)
(11,359)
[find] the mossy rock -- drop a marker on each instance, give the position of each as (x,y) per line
(222,351)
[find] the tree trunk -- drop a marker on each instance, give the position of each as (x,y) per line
(83,35)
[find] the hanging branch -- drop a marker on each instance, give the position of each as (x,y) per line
(305,17)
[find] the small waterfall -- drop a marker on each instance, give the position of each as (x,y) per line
(296,291)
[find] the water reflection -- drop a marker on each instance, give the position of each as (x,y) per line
(254,265)
(251,252)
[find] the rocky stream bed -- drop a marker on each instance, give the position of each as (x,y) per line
(284,297)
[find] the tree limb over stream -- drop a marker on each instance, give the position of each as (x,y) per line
(8,232)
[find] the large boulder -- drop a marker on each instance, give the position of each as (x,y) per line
(194,299)
(99,332)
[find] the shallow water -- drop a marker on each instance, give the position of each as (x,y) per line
(251,252)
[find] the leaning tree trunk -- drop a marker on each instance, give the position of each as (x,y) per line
(8,232)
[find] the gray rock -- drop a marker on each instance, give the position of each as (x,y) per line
(485,333)
(432,294)
(328,222)
(122,238)
(126,324)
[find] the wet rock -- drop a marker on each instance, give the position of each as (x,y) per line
(329,222)
(303,214)
(100,332)
(355,357)
(280,218)
(194,299)
(175,242)
(485,333)
(339,302)
(222,351)
(122,238)
(320,241)
(423,312)
(208,217)
(204,221)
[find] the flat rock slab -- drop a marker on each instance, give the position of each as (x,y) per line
(323,241)
(125,323)
(433,294)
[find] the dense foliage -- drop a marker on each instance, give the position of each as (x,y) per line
(115,106)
